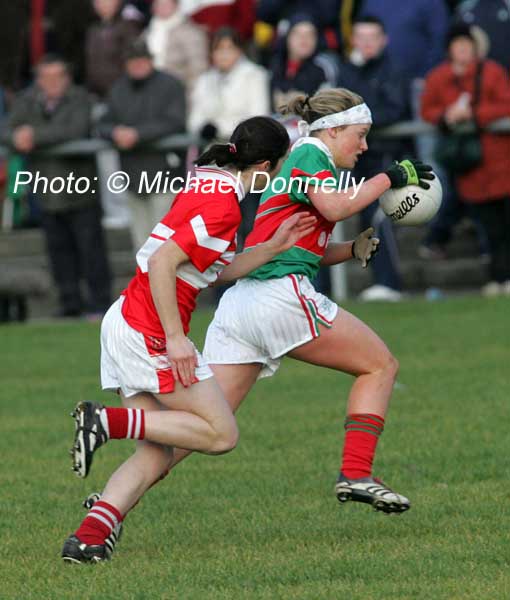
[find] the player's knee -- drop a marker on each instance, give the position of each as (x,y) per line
(392,366)
(225,440)
(387,366)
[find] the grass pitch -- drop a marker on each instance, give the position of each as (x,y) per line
(262,522)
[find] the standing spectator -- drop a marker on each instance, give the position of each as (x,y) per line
(448,101)
(55,111)
(233,89)
(66,29)
(452,210)
(144,105)
(106,46)
(416,32)
(178,46)
(216,14)
(493,17)
(295,68)
(14,27)
(370,73)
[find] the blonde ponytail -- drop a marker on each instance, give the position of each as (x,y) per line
(325,102)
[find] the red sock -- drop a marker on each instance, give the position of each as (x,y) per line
(361,436)
(124,423)
(98,524)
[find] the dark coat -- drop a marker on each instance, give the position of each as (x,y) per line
(156,109)
(493,16)
(490,180)
(105,48)
(383,90)
(67,24)
(309,77)
(69,120)
(14,42)
(324,12)
(416,30)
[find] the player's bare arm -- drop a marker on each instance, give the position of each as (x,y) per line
(363,247)
(289,232)
(162,275)
(338,205)
(336,253)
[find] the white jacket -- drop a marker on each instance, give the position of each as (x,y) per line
(225,99)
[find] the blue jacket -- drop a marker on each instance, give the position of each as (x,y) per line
(384,90)
(416,30)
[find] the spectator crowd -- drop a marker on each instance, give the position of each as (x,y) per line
(135,71)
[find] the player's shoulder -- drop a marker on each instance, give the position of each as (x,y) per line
(308,150)
(310,157)
(212,205)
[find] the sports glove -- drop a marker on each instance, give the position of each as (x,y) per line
(409,172)
(365,246)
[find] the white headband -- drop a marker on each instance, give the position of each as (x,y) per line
(357,115)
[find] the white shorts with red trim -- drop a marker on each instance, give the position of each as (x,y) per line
(261,321)
(135,362)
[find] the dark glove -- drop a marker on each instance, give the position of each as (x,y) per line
(410,172)
(208,132)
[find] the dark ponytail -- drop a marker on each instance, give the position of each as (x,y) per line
(253,141)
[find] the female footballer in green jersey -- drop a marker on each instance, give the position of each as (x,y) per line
(276,311)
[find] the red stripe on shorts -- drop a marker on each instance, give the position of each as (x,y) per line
(157,347)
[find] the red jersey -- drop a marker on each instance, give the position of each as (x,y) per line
(203,222)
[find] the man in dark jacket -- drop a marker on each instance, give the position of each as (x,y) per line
(145,105)
(370,73)
(50,112)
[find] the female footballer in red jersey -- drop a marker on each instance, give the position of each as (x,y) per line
(169,394)
(275,310)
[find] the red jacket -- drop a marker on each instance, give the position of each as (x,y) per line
(239,14)
(490,180)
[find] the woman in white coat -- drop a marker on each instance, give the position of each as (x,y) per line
(233,89)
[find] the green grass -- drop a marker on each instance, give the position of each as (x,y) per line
(262,522)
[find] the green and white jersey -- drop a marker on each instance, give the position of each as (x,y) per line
(309,165)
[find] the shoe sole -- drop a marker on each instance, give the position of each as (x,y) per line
(378,504)
(74,561)
(78,451)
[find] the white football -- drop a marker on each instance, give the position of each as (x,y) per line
(412,205)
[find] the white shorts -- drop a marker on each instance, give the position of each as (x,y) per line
(261,321)
(135,362)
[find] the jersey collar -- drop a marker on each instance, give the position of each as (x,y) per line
(315,142)
(214,173)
